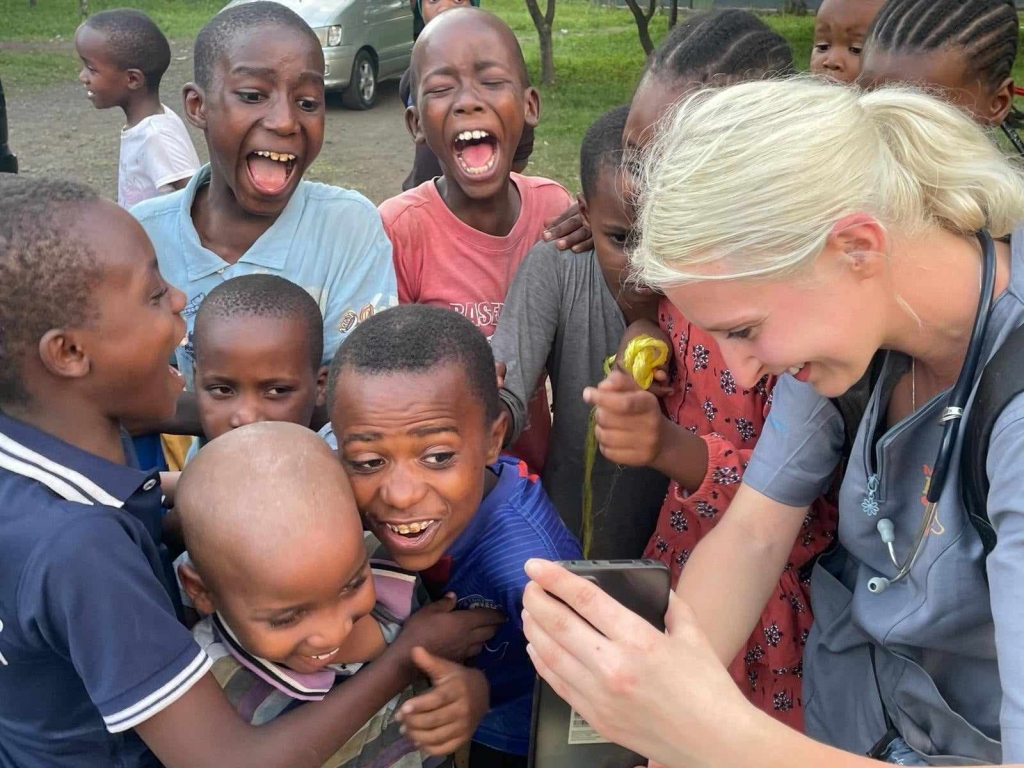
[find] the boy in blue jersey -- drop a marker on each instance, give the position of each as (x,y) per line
(95,669)
(419,427)
(258,97)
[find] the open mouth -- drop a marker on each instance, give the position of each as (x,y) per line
(270,171)
(408,537)
(800,372)
(476,152)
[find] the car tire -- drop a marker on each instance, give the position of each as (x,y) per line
(361,92)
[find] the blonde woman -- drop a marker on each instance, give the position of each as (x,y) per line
(809,227)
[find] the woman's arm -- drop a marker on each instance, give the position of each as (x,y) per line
(738,564)
(665,696)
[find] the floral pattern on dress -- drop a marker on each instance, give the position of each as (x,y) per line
(707,402)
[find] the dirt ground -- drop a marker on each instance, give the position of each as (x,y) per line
(56,131)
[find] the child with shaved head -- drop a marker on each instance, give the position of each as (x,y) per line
(293,604)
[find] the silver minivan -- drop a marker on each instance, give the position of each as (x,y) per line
(364,42)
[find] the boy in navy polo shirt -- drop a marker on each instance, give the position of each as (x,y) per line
(419,426)
(95,669)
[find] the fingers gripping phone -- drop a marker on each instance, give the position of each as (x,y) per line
(560,738)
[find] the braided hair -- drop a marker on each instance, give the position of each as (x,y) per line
(986,31)
(718,47)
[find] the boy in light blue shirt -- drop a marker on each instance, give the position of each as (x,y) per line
(258,96)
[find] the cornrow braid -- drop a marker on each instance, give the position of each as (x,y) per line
(986,30)
(719,47)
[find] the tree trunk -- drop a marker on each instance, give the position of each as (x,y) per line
(31,3)
(643,22)
(83,7)
(544,22)
(673,14)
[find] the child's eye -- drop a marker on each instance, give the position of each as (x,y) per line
(354,586)
(283,621)
(219,390)
(158,294)
(440,459)
(366,465)
(309,105)
(856,49)
(821,47)
(279,391)
(619,238)
(251,97)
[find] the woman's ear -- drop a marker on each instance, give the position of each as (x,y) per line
(195,105)
(195,588)
(321,385)
(861,243)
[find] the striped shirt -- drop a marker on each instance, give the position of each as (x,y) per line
(89,642)
(516,521)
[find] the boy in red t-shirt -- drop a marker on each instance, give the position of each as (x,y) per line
(459,239)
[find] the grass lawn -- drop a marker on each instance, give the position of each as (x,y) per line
(597,57)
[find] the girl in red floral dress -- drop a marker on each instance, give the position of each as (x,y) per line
(718,47)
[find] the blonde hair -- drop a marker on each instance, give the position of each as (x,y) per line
(756,175)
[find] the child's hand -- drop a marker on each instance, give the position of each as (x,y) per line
(450,634)
(569,231)
(445,717)
(662,381)
(629,421)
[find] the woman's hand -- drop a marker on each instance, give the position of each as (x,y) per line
(666,696)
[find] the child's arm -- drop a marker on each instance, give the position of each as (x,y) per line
(632,430)
(526,333)
(202,729)
(364,643)
(569,231)
(444,718)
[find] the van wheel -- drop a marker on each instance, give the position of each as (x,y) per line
(361,92)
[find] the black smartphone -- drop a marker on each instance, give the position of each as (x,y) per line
(560,738)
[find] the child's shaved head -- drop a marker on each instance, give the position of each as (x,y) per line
(260,497)
(454,25)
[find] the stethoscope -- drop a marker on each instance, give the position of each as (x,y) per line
(952,414)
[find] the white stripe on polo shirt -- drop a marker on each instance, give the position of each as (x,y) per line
(52,482)
(87,486)
(161,698)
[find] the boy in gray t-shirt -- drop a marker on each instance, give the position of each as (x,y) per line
(566,313)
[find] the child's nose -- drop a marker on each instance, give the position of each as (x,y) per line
(280,117)
(245,413)
(83,76)
(401,488)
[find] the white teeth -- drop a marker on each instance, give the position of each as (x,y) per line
(417,527)
(324,656)
(281,157)
(472,135)
(796,369)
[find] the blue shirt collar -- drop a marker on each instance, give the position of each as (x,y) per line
(70,472)
(269,251)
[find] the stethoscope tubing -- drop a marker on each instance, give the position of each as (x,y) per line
(952,415)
